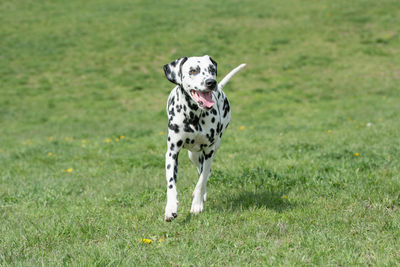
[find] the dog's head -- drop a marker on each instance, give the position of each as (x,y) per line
(197,76)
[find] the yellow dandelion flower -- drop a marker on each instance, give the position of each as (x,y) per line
(117,139)
(242,127)
(356,154)
(329,131)
(145,240)
(50,154)
(161,133)
(162,239)
(68,138)
(83,141)
(380,119)
(284,197)
(51,138)
(121,137)
(108,140)
(69,170)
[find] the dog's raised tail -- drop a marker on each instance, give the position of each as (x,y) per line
(226,79)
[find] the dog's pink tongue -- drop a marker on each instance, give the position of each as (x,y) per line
(206,98)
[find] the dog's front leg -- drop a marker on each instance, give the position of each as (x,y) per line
(171,170)
(200,190)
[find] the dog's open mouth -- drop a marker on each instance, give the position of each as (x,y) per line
(204,100)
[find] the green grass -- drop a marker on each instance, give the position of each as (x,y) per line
(321,84)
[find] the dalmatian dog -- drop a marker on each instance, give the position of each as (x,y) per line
(198,114)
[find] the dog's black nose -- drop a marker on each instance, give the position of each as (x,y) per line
(211,83)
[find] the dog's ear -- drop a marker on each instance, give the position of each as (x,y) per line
(215,64)
(173,70)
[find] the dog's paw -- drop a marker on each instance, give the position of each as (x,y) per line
(205,197)
(171,212)
(197,205)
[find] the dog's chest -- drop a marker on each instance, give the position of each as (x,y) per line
(200,129)
(206,132)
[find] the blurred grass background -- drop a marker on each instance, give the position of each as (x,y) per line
(308,171)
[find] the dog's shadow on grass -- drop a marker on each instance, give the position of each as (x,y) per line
(256,199)
(248,200)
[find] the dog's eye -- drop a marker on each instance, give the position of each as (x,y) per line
(193,71)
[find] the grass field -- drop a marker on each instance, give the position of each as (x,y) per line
(307,173)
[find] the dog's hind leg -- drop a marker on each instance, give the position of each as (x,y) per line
(197,158)
(199,193)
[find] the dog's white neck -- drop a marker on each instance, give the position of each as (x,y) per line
(192,106)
